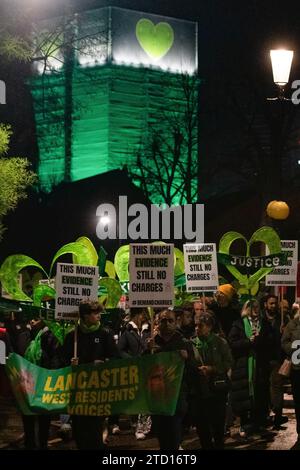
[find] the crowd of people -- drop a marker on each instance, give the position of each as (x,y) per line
(232,358)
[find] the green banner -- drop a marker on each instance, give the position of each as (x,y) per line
(148,385)
(252,262)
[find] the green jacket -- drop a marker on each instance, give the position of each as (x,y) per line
(217,355)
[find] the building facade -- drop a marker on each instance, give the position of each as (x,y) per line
(105,82)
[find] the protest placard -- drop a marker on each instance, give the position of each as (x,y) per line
(201,268)
(151,273)
(285,274)
(74,283)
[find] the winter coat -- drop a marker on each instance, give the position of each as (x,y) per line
(177,343)
(225,317)
(241,348)
(132,342)
(20,336)
(187,331)
(97,345)
(269,344)
(219,357)
(50,347)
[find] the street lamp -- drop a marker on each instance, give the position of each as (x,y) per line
(281,60)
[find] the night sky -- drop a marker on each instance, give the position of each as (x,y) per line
(232,34)
(234,42)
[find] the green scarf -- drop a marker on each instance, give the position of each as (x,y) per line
(251,358)
(88,329)
(202,344)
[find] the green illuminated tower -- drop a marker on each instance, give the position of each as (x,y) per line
(106,78)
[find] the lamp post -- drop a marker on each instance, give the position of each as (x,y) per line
(281,60)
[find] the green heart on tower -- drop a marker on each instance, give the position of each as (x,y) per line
(156,40)
(265,235)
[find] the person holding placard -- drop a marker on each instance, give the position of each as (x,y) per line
(95,344)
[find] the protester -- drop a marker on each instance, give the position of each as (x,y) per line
(270,358)
(185,320)
(225,307)
(285,311)
(198,310)
(19,332)
(243,340)
(95,344)
(168,338)
(209,375)
(133,342)
(39,346)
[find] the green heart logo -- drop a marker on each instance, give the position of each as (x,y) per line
(265,235)
(155,40)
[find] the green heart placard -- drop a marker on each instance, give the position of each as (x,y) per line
(265,235)
(155,40)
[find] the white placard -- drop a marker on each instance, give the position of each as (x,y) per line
(201,267)
(74,283)
(285,275)
(151,274)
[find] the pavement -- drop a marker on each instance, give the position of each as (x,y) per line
(11,434)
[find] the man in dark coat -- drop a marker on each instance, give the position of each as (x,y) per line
(95,344)
(169,428)
(270,358)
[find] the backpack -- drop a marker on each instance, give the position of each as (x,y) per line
(33,352)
